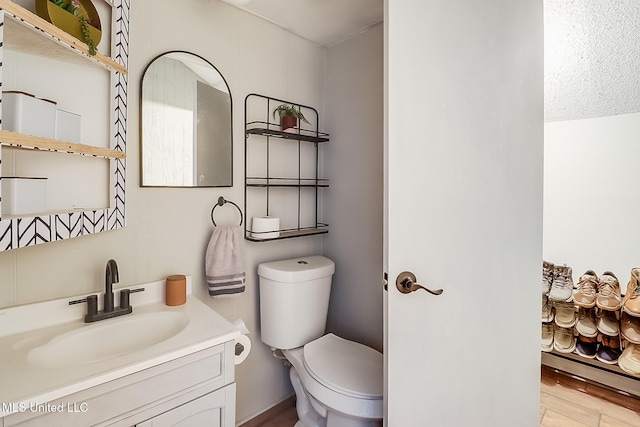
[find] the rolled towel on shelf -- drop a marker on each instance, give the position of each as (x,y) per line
(224,262)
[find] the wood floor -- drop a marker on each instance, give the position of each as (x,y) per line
(568,402)
(564,402)
(282,415)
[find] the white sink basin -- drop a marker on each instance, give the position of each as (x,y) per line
(48,353)
(107,339)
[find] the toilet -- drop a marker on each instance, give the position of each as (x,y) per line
(338,383)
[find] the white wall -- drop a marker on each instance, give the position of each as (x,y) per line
(353,162)
(591,194)
(167,230)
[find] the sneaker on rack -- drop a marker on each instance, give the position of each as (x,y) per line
(586,324)
(563,340)
(609,349)
(547,276)
(585,295)
(608,323)
(565,316)
(586,346)
(631,302)
(630,328)
(562,286)
(547,309)
(547,337)
(629,360)
(609,297)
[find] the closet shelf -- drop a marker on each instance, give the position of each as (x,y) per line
(26,31)
(593,370)
(287,234)
(265,129)
(16,140)
(591,362)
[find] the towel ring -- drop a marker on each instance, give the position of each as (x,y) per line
(221,202)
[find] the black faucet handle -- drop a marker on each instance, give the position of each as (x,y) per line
(125,294)
(124,298)
(92,304)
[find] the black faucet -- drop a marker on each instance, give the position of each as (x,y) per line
(109,311)
(110,277)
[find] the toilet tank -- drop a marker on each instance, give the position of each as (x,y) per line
(294,300)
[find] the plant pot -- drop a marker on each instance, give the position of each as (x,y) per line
(287,122)
(68,22)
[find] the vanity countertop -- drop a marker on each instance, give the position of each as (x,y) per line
(27,327)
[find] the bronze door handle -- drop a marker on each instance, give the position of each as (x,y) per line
(406,283)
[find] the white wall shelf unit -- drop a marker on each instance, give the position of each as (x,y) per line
(23,31)
(27,31)
(282,171)
(16,140)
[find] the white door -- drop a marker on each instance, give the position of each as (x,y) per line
(463,196)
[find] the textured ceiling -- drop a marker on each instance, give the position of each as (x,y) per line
(324,22)
(592,47)
(592,58)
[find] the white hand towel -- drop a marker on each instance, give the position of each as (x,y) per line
(224,262)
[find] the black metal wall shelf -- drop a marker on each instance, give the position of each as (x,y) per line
(299,187)
(269,129)
(288,234)
(286,182)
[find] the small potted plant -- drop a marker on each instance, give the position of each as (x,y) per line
(289,116)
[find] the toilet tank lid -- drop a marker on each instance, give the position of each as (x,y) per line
(297,269)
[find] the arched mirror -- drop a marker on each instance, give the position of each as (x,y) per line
(185,123)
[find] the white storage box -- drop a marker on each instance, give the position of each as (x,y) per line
(67,126)
(22,195)
(24,113)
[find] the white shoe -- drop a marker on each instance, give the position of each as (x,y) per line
(608,324)
(629,360)
(547,310)
(562,286)
(563,340)
(547,276)
(565,316)
(547,337)
(586,323)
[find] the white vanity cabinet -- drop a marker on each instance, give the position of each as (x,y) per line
(39,57)
(194,390)
(210,410)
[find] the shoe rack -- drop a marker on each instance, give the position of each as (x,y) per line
(590,334)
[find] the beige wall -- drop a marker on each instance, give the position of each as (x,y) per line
(353,161)
(167,230)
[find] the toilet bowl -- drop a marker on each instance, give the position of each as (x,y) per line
(342,380)
(338,383)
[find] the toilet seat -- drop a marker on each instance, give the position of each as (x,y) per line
(344,366)
(326,392)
